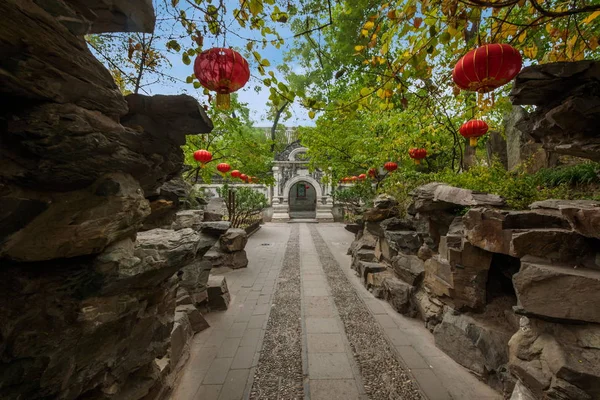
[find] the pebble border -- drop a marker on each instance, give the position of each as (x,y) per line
(384,376)
(279,373)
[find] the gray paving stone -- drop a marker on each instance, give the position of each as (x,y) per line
(329,366)
(237,330)
(216,338)
(411,358)
(339,389)
(431,384)
(217,372)
(321,325)
(325,343)
(207,392)
(234,386)
(261,309)
(385,321)
(257,322)
(375,306)
(397,336)
(251,337)
(319,291)
(229,348)
(244,357)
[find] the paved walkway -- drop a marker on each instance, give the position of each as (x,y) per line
(224,358)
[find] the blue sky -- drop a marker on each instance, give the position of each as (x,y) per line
(256,100)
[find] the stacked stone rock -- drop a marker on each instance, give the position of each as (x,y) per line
(229,252)
(91,306)
(511,295)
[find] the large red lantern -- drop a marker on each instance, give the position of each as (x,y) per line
(223,71)
(362,177)
(223,168)
(203,157)
(235,173)
(390,166)
(417,154)
(473,129)
(487,67)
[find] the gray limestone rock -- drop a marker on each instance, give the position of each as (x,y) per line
(558,290)
(233,240)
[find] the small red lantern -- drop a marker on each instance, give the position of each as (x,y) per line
(362,177)
(235,173)
(223,71)
(372,172)
(354,178)
(487,67)
(345,179)
(223,168)
(202,156)
(417,154)
(244,177)
(473,129)
(390,166)
(306,187)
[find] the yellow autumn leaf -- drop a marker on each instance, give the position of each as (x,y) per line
(368,25)
(523,36)
(591,17)
(384,48)
(364,32)
(359,48)
(530,51)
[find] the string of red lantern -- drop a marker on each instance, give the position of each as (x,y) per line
(223,168)
(417,154)
(390,166)
(203,157)
(473,129)
(223,71)
(487,67)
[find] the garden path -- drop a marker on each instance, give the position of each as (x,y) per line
(301,325)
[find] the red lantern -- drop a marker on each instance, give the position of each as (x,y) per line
(223,71)
(235,173)
(473,129)
(244,177)
(223,168)
(373,172)
(487,67)
(390,166)
(306,187)
(362,177)
(354,178)
(417,154)
(202,156)
(345,179)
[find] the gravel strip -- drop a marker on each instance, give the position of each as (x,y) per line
(279,371)
(383,374)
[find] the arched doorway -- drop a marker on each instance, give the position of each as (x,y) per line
(303,200)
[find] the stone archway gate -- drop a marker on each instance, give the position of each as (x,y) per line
(291,167)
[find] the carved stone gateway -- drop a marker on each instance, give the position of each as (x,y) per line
(291,168)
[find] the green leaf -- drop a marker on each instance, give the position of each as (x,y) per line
(186,59)
(197,85)
(311,114)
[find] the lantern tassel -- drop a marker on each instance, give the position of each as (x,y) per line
(223,101)
(417,162)
(473,141)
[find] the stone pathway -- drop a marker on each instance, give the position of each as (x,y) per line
(345,343)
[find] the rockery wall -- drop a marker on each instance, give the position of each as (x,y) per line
(91,306)
(511,295)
